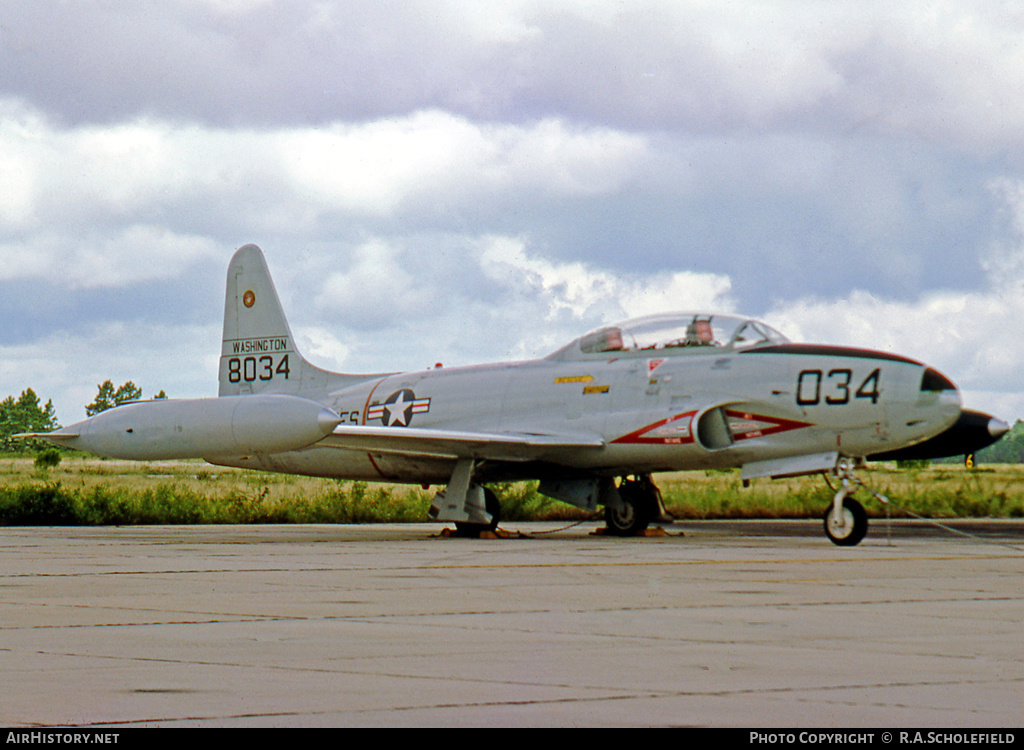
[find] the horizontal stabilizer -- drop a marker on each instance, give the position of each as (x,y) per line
(458,443)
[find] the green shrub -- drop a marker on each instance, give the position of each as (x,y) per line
(47,459)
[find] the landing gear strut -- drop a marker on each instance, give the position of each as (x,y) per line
(466,528)
(473,507)
(639,503)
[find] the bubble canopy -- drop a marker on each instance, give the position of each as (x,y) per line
(675,333)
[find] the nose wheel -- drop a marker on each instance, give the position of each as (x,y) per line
(846,521)
(850,526)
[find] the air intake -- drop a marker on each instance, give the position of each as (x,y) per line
(713,429)
(934,381)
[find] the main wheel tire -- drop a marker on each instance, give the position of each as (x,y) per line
(633,515)
(855,524)
(465,528)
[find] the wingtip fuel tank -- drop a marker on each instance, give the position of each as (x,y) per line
(202,428)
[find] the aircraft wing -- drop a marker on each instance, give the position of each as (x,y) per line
(57,436)
(502,446)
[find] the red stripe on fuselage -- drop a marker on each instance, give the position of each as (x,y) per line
(638,437)
(774,426)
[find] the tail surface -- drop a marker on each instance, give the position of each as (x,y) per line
(258,351)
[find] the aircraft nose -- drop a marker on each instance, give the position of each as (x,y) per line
(971,432)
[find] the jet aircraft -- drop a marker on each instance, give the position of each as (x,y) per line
(592,421)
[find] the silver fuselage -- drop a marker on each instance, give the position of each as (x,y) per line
(653,410)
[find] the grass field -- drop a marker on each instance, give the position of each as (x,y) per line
(84,491)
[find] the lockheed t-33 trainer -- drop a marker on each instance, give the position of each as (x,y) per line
(592,421)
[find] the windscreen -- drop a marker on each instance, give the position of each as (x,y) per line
(690,331)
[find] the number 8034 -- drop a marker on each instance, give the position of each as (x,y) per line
(250,369)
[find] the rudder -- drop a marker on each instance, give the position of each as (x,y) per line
(258,351)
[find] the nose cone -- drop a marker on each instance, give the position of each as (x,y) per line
(973,431)
(997,428)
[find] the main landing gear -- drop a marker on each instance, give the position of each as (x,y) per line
(846,522)
(493,508)
(472,507)
(639,503)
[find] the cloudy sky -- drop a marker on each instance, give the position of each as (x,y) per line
(458,181)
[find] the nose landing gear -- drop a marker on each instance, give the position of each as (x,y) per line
(846,522)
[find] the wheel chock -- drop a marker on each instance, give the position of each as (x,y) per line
(651,531)
(495,534)
(447,533)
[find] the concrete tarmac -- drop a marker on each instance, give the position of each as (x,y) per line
(748,624)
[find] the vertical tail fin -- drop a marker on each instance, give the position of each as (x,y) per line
(258,351)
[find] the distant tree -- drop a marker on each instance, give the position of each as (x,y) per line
(127,392)
(109,397)
(104,399)
(161,394)
(25,414)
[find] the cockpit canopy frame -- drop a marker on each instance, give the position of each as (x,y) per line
(673,334)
